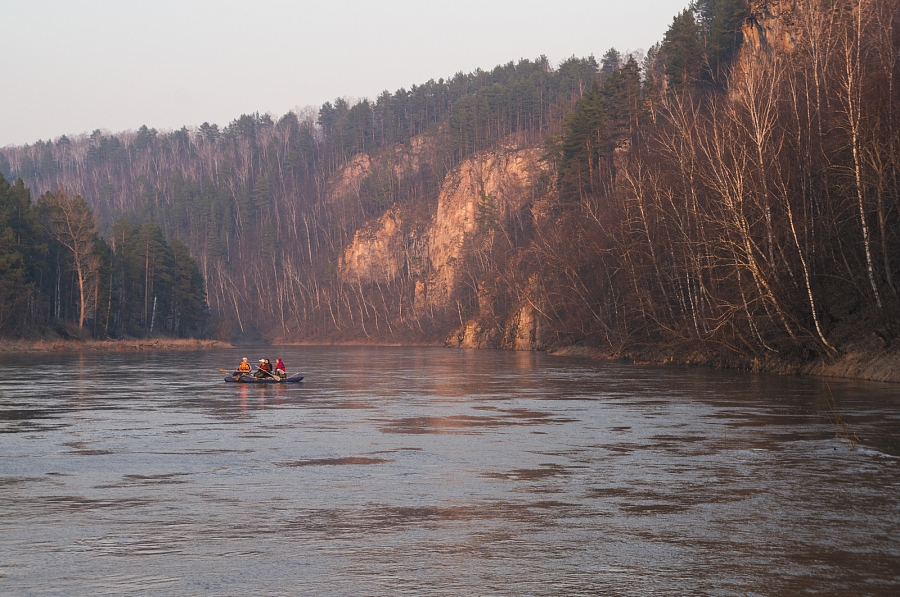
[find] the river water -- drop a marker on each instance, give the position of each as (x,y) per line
(426,471)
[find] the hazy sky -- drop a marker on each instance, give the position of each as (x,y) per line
(73,66)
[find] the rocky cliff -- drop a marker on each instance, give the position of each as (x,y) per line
(773,24)
(494,185)
(476,200)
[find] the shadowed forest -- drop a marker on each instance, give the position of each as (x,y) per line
(731,193)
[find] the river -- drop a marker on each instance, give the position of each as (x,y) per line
(428,471)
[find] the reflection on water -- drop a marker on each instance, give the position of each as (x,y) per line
(441,472)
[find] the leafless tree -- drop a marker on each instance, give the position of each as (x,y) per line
(71,224)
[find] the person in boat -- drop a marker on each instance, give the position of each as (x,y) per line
(242,369)
(279,368)
(264,370)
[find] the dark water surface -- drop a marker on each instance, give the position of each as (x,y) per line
(418,471)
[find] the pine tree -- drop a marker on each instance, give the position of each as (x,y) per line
(610,63)
(189,310)
(683,50)
(583,143)
(487,213)
(19,250)
(721,22)
(621,95)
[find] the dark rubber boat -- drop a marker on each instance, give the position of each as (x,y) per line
(248,378)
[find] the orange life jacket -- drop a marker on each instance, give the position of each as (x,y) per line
(244,367)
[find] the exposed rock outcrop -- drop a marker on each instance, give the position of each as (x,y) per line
(521,329)
(378,250)
(348,181)
(473,335)
(503,179)
(391,245)
(772,24)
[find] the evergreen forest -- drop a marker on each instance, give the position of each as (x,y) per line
(57,273)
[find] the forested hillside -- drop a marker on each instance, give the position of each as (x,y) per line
(263,205)
(57,273)
(734,193)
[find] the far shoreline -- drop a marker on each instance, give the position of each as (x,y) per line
(123,345)
(862,363)
(859,363)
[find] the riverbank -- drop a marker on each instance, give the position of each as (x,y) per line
(283,342)
(858,361)
(125,345)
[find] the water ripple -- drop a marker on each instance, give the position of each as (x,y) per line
(411,471)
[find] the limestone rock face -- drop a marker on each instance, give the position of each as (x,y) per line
(393,244)
(426,252)
(348,181)
(473,335)
(521,329)
(504,177)
(389,247)
(377,253)
(773,24)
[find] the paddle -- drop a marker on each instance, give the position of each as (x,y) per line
(242,373)
(267,373)
(258,370)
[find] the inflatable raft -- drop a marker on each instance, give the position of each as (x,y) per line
(248,378)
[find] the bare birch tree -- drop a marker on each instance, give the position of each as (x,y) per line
(71,224)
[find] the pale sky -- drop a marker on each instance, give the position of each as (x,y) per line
(72,66)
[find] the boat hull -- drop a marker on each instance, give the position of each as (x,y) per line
(250,379)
